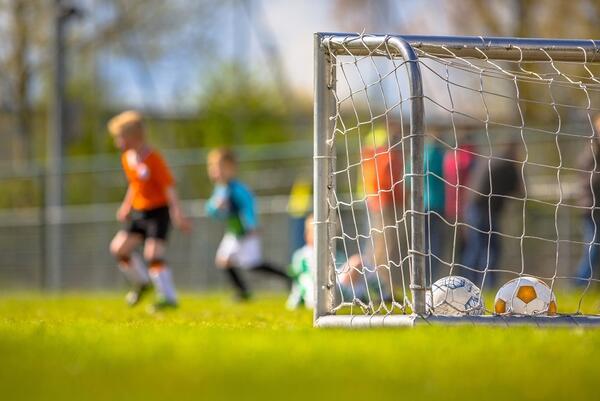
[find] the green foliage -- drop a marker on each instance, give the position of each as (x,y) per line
(237,108)
(92,347)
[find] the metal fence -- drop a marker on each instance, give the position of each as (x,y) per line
(87,231)
(94,186)
(97,184)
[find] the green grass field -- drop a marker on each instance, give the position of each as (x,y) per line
(91,347)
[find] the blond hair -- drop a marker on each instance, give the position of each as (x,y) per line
(309,221)
(126,123)
(223,155)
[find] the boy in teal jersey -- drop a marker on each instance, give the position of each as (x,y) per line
(233,202)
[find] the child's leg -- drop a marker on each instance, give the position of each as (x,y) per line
(268,268)
(250,256)
(160,274)
(307,282)
(295,298)
(130,263)
(225,260)
(233,274)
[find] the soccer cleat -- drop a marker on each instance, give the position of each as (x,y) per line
(134,296)
(162,305)
(241,297)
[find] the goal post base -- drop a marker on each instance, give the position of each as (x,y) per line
(349,321)
(358,322)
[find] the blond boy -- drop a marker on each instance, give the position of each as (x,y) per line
(150,204)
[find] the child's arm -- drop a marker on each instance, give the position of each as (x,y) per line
(179,219)
(125,208)
(217,205)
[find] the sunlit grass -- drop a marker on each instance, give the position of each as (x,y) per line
(91,347)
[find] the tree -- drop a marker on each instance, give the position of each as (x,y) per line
(22,32)
(532,19)
(136,29)
(236,109)
(512,18)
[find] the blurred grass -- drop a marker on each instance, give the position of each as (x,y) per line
(90,347)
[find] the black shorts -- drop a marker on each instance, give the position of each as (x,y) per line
(153,223)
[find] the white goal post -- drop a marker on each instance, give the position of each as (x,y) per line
(387,224)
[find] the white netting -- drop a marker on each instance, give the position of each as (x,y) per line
(512,178)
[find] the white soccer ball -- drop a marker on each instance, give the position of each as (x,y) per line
(455,296)
(525,296)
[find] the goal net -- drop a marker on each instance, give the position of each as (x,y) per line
(468,157)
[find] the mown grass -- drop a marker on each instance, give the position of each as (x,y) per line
(90,347)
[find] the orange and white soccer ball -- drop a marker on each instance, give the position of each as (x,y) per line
(525,296)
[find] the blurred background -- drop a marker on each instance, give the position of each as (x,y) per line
(204,73)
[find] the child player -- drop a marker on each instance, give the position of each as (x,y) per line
(232,201)
(353,278)
(302,270)
(149,205)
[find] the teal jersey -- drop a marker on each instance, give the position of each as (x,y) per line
(237,207)
(435,191)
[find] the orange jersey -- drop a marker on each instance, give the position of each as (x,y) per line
(149,178)
(382,170)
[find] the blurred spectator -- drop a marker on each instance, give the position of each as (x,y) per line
(493,181)
(434,197)
(458,165)
(299,207)
(382,172)
(354,280)
(589,197)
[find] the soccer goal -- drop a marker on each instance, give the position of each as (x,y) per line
(439,159)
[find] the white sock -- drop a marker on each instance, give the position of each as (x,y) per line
(309,291)
(135,270)
(294,298)
(163,284)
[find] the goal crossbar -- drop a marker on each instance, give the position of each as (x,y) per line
(498,48)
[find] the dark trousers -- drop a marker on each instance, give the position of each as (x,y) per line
(590,259)
(434,243)
(482,249)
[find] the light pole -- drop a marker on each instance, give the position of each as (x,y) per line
(53,191)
